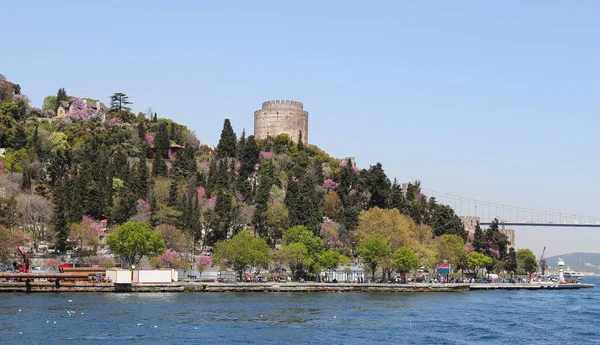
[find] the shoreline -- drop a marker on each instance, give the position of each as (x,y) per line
(40,287)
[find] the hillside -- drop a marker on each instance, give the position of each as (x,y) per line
(75,171)
(582,262)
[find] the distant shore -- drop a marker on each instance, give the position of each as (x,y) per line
(271,287)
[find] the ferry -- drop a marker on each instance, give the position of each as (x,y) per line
(570,274)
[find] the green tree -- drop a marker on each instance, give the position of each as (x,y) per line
(260,219)
(405,259)
(443,220)
(60,217)
(249,156)
(243,251)
(300,234)
(84,238)
(303,202)
(7,245)
(133,240)
(277,221)
(50,103)
(185,163)
(379,186)
(477,261)
(451,248)
(300,142)
(227,143)
(510,262)
(526,261)
(61,96)
(479,239)
(295,256)
(119,101)
(223,221)
(159,167)
(329,259)
(142,182)
(161,141)
(374,251)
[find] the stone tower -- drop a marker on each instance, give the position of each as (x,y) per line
(277,117)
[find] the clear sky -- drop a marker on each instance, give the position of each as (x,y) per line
(491,101)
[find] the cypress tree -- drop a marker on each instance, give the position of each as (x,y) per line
(379,186)
(249,156)
(26,179)
(173,197)
(300,143)
(142,177)
(221,176)
(19,139)
(348,181)
(243,187)
(159,167)
(60,222)
(227,143)
(222,217)
(211,180)
(185,163)
(141,131)
(479,242)
(195,226)
(125,207)
(153,209)
(61,95)
(303,201)
(161,141)
(396,198)
(262,200)
(241,145)
(510,262)
(37,147)
(80,196)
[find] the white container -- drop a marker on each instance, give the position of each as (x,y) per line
(119,276)
(153,276)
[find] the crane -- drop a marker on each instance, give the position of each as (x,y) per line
(542,261)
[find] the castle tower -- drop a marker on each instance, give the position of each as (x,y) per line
(277,117)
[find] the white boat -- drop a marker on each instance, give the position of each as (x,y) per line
(570,274)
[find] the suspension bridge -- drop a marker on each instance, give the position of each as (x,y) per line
(509,215)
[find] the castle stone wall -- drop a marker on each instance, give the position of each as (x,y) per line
(277,117)
(470,224)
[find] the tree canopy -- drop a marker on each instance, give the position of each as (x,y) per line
(243,251)
(134,240)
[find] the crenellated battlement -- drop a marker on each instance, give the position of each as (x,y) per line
(281,116)
(283,104)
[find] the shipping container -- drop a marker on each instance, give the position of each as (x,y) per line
(119,276)
(153,276)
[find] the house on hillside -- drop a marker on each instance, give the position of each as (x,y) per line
(65,108)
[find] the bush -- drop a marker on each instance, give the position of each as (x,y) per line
(180,264)
(155,262)
(108,263)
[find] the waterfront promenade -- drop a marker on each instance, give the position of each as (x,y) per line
(273,287)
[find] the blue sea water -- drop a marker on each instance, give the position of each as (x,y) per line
(482,317)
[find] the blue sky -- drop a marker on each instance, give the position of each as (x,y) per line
(491,101)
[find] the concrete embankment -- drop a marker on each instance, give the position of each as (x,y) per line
(86,287)
(319,287)
(269,287)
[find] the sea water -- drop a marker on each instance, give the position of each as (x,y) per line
(472,317)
